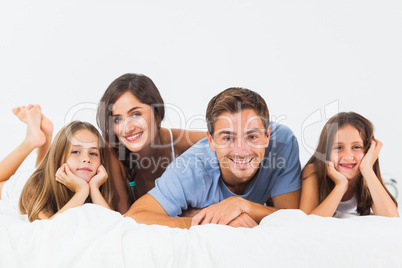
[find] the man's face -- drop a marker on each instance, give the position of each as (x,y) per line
(239,141)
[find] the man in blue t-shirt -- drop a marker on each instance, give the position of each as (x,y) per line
(228,177)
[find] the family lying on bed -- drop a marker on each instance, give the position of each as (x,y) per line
(243,169)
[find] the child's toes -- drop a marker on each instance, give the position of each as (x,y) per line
(16,110)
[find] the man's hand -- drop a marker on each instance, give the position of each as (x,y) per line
(190,212)
(223,212)
(243,220)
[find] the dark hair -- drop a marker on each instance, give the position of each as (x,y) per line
(323,151)
(234,100)
(144,89)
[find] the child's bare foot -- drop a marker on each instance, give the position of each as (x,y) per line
(34,122)
(32,116)
(47,127)
(20,112)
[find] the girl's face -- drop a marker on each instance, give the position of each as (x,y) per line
(347,151)
(132,122)
(84,158)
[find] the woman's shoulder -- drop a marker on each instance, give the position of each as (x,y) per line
(183,139)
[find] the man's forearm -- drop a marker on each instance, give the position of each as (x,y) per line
(147,217)
(147,210)
(257,211)
(284,201)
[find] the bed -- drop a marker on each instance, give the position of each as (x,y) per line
(92,236)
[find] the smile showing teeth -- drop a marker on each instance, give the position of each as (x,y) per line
(347,165)
(134,137)
(240,162)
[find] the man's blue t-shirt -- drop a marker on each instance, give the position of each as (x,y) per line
(193,180)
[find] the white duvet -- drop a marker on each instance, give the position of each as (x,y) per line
(92,236)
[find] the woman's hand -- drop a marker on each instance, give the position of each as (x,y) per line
(335,175)
(99,178)
(371,156)
(71,181)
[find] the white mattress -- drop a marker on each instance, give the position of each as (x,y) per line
(92,236)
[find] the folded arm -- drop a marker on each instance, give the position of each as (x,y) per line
(228,210)
(77,200)
(97,181)
(309,202)
(383,205)
(79,186)
(148,211)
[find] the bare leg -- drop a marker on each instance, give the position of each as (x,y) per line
(1,186)
(34,138)
(46,127)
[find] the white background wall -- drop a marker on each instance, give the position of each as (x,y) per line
(301,56)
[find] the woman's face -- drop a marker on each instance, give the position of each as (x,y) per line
(347,151)
(134,123)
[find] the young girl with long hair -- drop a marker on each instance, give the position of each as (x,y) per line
(73,171)
(344,173)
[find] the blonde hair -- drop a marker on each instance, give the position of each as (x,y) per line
(42,193)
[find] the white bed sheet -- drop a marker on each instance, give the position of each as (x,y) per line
(92,236)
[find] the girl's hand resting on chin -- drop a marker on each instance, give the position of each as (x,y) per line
(335,175)
(71,181)
(371,156)
(99,179)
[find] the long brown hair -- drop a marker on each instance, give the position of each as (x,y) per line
(323,151)
(42,193)
(144,89)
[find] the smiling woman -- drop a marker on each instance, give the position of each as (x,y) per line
(133,122)
(130,115)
